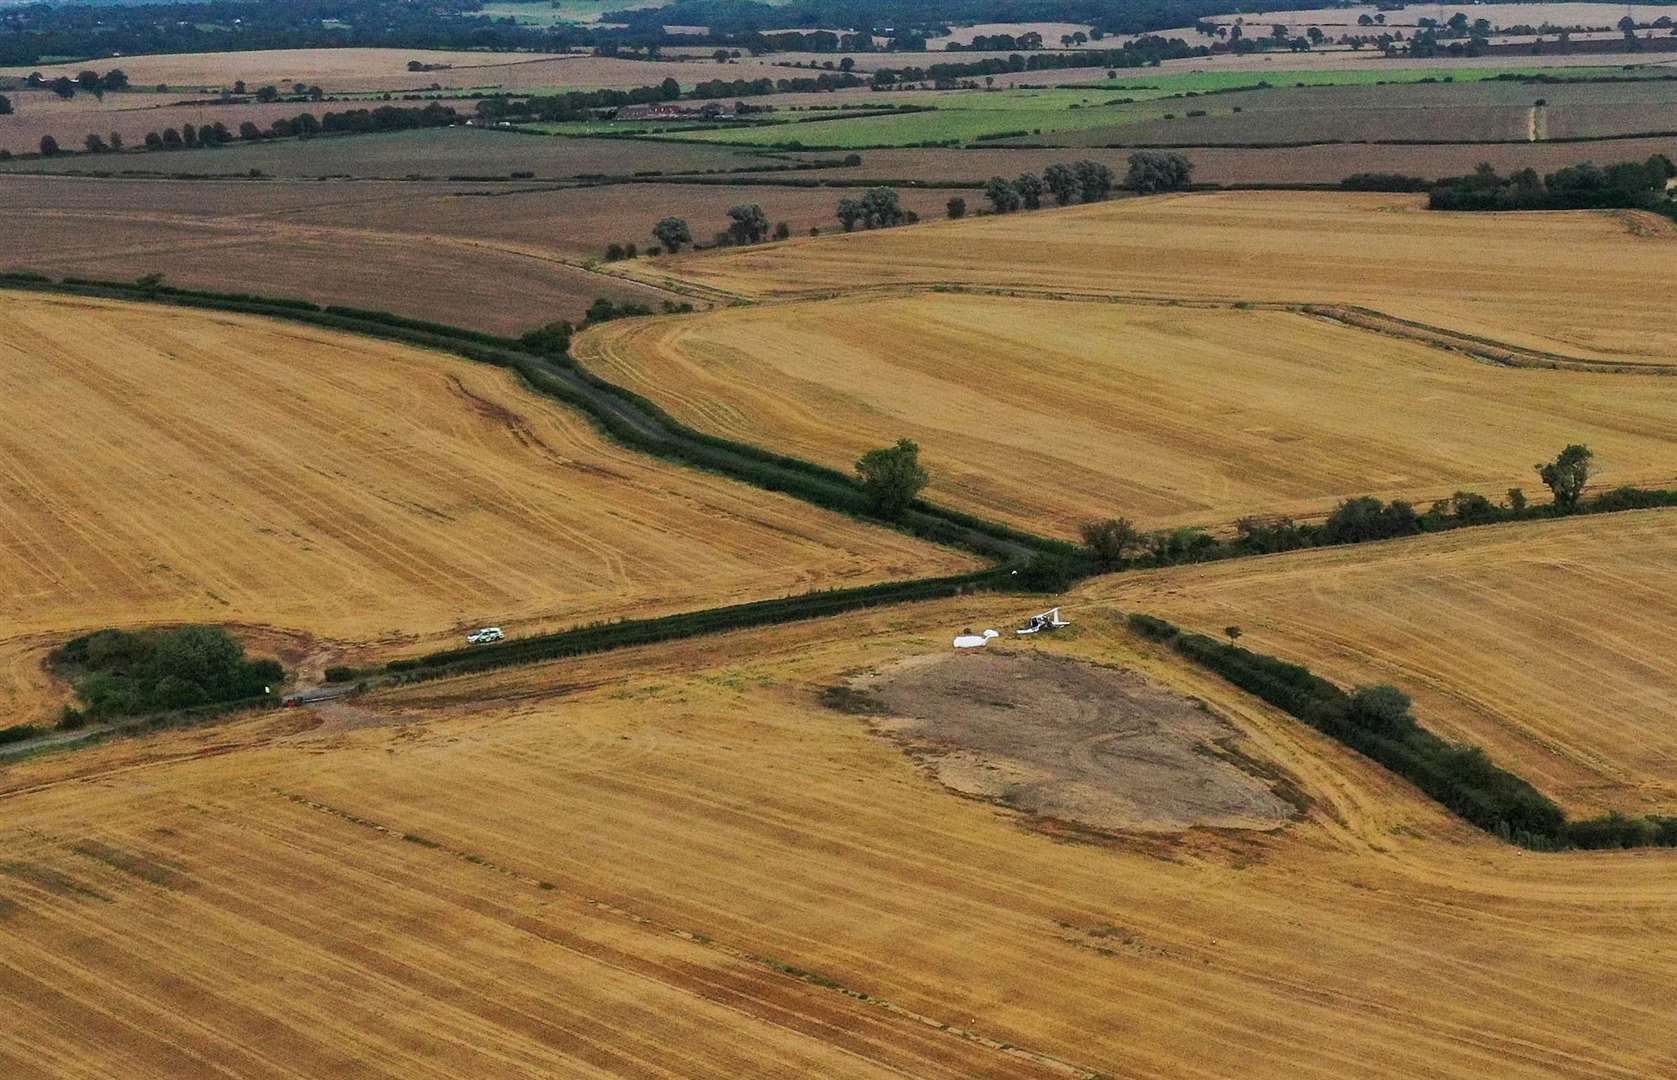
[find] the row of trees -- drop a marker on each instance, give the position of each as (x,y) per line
(88,81)
(1142,52)
(1627,184)
(189,137)
(1150,171)
(1117,543)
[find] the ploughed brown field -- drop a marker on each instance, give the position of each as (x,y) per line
(679,862)
(489,257)
(1546,643)
(1047,413)
(429,153)
(348,495)
(1493,276)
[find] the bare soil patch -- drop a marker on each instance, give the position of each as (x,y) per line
(1071,741)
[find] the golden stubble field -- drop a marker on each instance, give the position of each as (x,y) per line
(677,862)
(162,465)
(1588,284)
(1046,413)
(1546,643)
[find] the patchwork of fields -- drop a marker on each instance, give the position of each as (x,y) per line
(226,469)
(1544,643)
(839,847)
(1485,275)
(1046,413)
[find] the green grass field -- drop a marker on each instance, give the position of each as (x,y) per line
(1201,82)
(966,116)
(956,117)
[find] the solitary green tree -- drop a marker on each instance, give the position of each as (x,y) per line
(1567,474)
(672,232)
(49,146)
(957,207)
(892,476)
(748,224)
(5,105)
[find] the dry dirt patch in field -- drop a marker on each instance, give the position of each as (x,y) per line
(1068,741)
(1547,643)
(163,465)
(1499,276)
(1047,413)
(676,860)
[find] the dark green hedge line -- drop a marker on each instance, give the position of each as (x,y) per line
(424,326)
(1376,722)
(620,413)
(619,635)
(835,484)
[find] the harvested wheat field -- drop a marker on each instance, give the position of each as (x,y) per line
(1516,278)
(1047,413)
(678,862)
(1547,643)
(233,470)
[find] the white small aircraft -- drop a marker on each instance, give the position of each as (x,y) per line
(1047,620)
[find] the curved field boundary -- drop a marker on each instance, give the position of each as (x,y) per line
(1461,779)
(1485,349)
(626,416)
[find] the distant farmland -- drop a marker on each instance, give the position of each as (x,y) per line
(503,258)
(1486,275)
(229,469)
(1046,413)
(1326,163)
(434,153)
(1546,643)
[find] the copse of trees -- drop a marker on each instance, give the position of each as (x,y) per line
(1586,186)
(878,208)
(1153,171)
(125,673)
